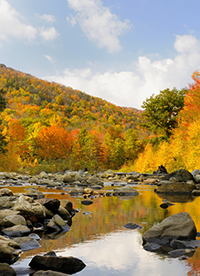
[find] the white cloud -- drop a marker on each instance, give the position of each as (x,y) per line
(98,23)
(49,58)
(48,33)
(48,18)
(11,24)
(131,88)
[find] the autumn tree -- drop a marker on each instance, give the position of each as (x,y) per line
(3,142)
(161,111)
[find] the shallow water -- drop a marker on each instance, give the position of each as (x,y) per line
(98,236)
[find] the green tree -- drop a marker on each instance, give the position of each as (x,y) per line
(161,111)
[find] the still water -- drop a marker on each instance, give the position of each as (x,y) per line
(98,236)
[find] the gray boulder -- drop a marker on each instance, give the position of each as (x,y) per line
(180,175)
(179,226)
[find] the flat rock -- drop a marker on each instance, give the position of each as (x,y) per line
(27,243)
(16,231)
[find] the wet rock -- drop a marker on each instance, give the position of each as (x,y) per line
(6,270)
(61,264)
(165,205)
(196,192)
(131,225)
(151,246)
(27,243)
(9,250)
(68,205)
(16,231)
(12,220)
(180,252)
(86,202)
(64,213)
(108,174)
(178,226)
(94,180)
(179,244)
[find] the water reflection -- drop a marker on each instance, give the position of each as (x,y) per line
(97,235)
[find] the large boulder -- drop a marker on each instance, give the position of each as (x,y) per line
(180,175)
(61,264)
(5,192)
(170,187)
(29,208)
(9,250)
(179,226)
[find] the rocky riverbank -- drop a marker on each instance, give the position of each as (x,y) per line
(23,215)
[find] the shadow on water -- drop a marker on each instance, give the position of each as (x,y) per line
(99,238)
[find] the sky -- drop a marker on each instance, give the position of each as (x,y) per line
(122,51)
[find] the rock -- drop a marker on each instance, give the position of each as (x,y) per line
(165,205)
(180,175)
(180,252)
(6,270)
(64,213)
(12,220)
(5,192)
(57,224)
(49,273)
(68,205)
(130,225)
(195,172)
(178,244)
(175,188)
(108,174)
(51,204)
(61,264)
(150,180)
(151,246)
(27,243)
(8,212)
(161,170)
(196,192)
(197,178)
(28,207)
(67,178)
(9,250)
(94,180)
(86,202)
(43,175)
(34,193)
(7,202)
(16,231)
(178,226)
(125,191)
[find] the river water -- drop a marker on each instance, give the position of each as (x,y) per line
(98,236)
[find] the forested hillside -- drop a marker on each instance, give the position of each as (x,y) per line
(48,124)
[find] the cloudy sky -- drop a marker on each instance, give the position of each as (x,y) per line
(120,50)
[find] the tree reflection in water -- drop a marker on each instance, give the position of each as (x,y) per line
(97,235)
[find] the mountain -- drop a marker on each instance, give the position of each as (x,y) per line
(32,100)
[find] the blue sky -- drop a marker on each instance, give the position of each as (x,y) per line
(122,51)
